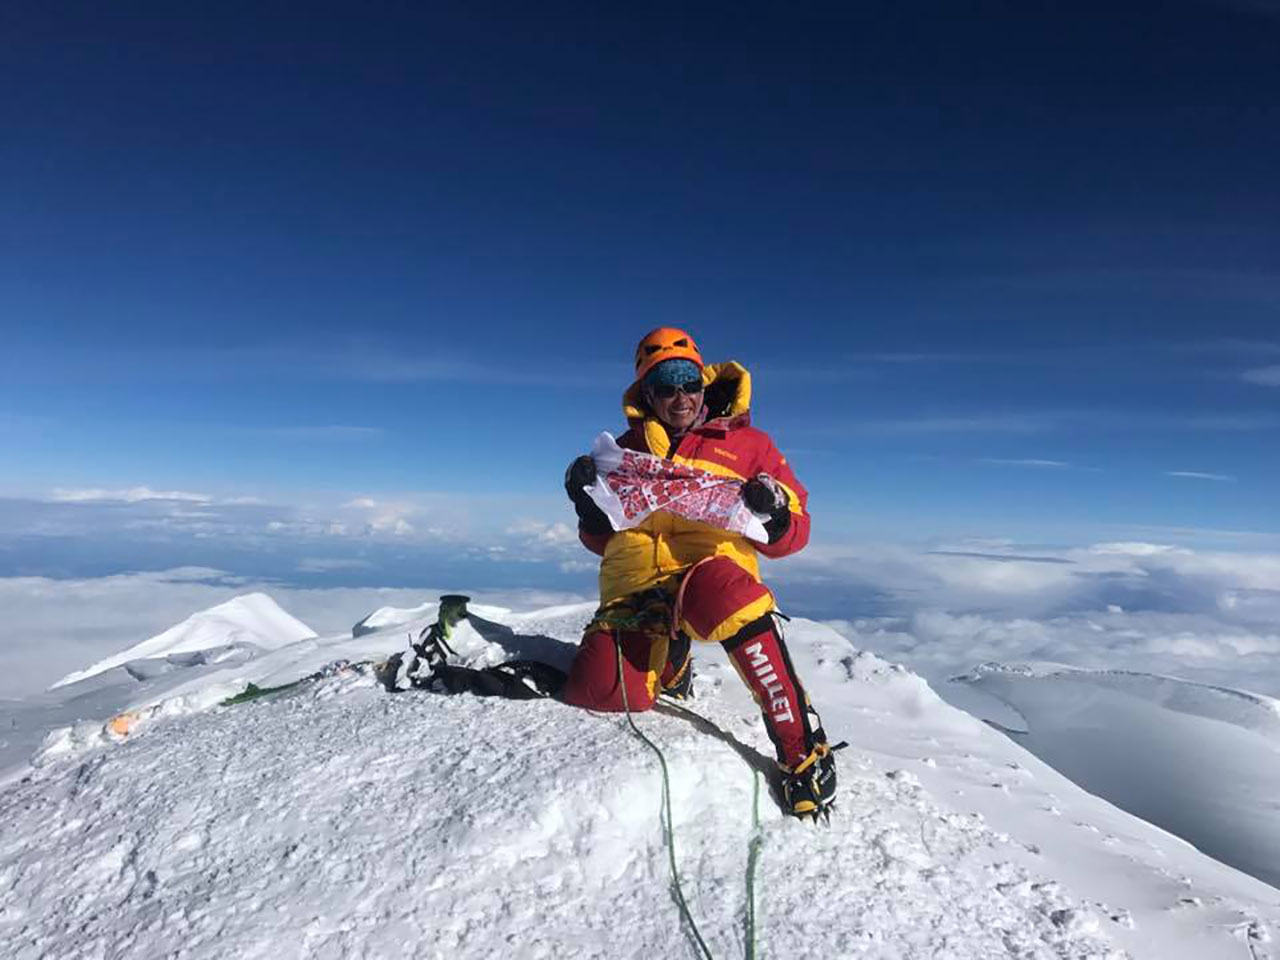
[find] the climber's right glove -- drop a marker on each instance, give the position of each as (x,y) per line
(582,474)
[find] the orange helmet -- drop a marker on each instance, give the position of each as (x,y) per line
(665,343)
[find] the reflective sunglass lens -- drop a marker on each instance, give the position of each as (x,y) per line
(666,391)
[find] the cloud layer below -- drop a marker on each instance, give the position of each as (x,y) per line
(1204,615)
(1209,616)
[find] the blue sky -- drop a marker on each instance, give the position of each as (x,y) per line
(1004,273)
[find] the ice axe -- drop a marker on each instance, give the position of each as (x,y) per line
(433,642)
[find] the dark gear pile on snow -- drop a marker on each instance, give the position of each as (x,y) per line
(425,665)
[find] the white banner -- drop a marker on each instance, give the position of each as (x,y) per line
(630,486)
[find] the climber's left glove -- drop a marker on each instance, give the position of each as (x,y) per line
(582,474)
(765,496)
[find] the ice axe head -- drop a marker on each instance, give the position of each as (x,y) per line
(453,607)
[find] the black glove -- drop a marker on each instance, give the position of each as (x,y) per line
(582,473)
(764,495)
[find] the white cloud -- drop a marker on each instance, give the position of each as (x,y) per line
(1160,607)
(1257,539)
(330,564)
(381,363)
(1269,8)
(1156,607)
(1046,582)
(322,433)
(554,534)
(1196,475)
(1135,549)
(21,423)
(112,522)
(1046,421)
(128,495)
(1233,346)
(387,517)
(1240,423)
(908,358)
(1263,376)
(1049,464)
(909,426)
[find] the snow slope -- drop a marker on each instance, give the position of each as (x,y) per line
(1201,761)
(337,820)
(253,620)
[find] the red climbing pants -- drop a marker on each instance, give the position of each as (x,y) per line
(719,602)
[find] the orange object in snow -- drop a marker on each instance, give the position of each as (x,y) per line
(122,724)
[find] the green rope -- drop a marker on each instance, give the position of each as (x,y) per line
(753,845)
(664,812)
(753,856)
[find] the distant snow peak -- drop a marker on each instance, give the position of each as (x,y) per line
(252,620)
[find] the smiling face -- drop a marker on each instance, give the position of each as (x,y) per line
(678,411)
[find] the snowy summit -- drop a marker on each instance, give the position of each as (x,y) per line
(335,819)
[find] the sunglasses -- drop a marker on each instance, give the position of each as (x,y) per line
(665,391)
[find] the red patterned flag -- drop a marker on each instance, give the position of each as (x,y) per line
(633,485)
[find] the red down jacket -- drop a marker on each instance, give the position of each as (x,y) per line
(726,444)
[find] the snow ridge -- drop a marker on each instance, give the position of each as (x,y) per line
(1252,711)
(1197,759)
(253,619)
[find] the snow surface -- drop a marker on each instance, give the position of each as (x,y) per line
(337,820)
(253,619)
(1202,761)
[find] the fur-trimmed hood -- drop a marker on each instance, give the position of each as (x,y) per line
(726,404)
